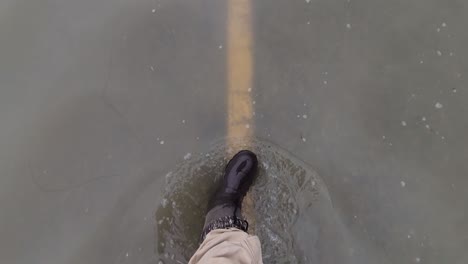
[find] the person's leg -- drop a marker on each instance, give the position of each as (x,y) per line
(228,246)
(224,234)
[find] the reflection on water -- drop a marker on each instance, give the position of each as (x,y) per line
(289,199)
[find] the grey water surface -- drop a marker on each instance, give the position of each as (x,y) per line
(100,100)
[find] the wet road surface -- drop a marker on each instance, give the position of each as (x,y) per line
(100,100)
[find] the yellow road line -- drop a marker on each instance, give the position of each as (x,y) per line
(239,69)
(239,78)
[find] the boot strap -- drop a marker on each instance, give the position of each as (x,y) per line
(225,222)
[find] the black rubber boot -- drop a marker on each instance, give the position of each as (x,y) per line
(224,208)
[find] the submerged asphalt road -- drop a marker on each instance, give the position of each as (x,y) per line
(100,99)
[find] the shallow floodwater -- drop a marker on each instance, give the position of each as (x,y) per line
(99,100)
(292,209)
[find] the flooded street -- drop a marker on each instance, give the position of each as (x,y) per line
(118,117)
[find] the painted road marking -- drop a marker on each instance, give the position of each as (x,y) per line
(239,70)
(239,81)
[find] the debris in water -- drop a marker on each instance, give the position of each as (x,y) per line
(417,260)
(438,105)
(454,90)
(161,142)
(247,126)
(187,156)
(307,1)
(439,53)
(403,123)
(403,184)
(220,47)
(127,255)
(164,202)
(304,116)
(303,139)
(249,90)
(183,121)
(444,24)
(153,11)
(348,26)
(428,127)
(423,118)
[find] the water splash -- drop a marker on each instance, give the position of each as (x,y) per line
(285,190)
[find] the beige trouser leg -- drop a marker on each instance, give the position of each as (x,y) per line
(228,246)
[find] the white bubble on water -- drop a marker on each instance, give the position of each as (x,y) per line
(348,26)
(438,105)
(403,123)
(164,202)
(403,184)
(187,156)
(439,53)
